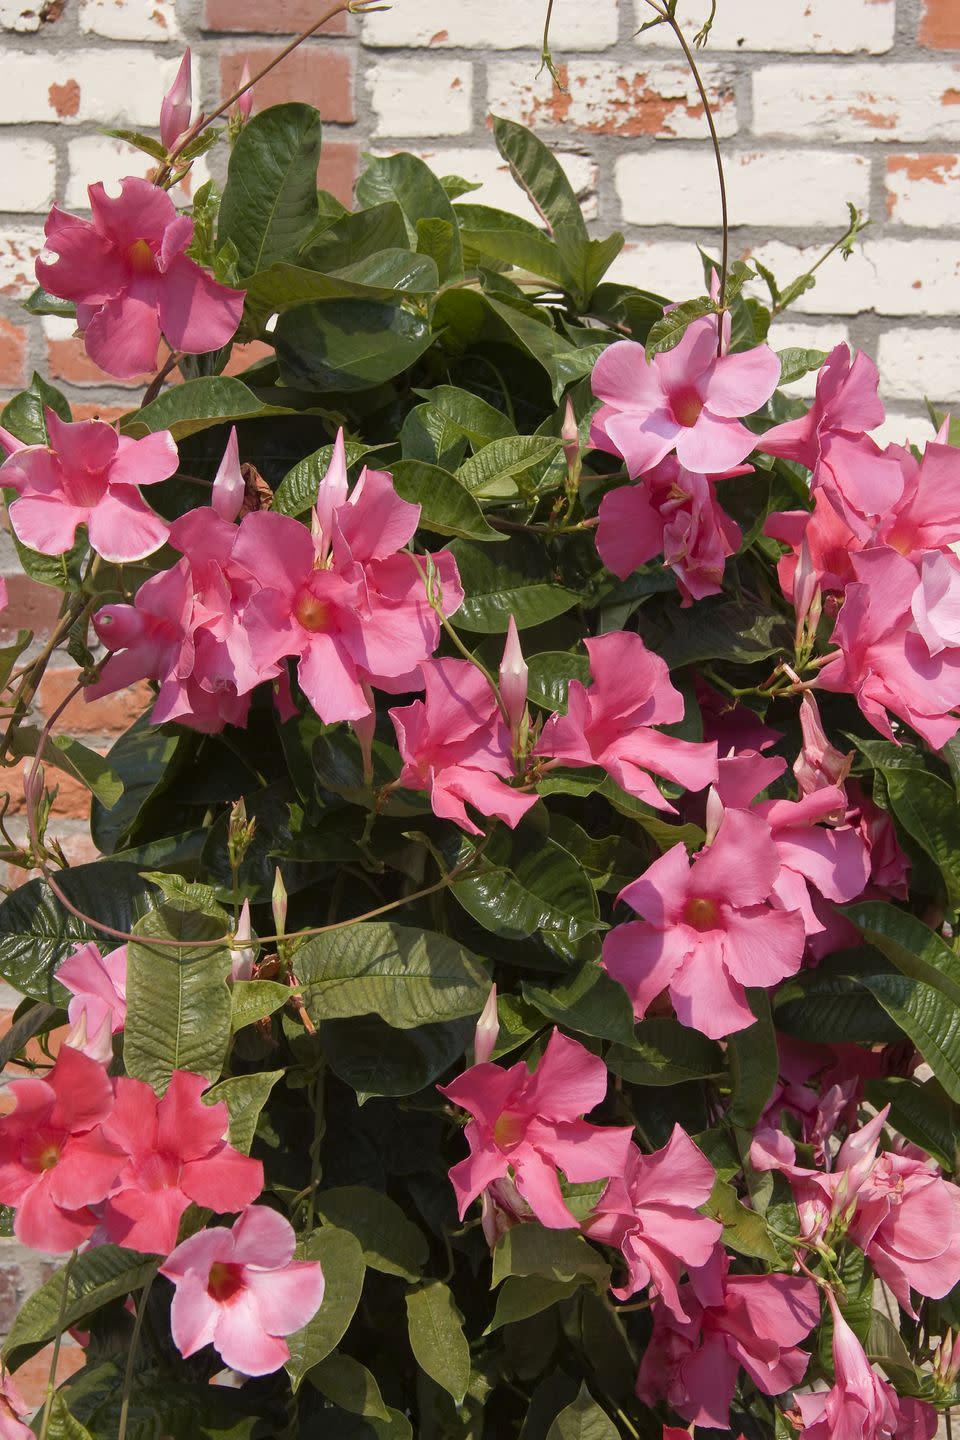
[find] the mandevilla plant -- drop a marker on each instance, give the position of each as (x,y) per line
(518,996)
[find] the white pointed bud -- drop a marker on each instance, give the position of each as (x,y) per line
(715,814)
(241,951)
(177,105)
(279,903)
(228,485)
(570,435)
(487,1033)
(806,588)
(331,494)
(513,677)
(943,434)
(245,103)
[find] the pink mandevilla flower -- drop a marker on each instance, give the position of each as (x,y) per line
(708,929)
(651,1214)
(89,475)
(13,1407)
(98,1004)
(846,403)
(527,1126)
(173,1153)
(756,1321)
(859,1404)
(611,723)
(55,1159)
(456,744)
(687,399)
(128,273)
(241,1291)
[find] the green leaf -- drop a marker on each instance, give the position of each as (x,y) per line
(36,932)
(926,807)
(490,474)
(385,277)
(531,1249)
(855,1299)
(591,1003)
(884,1346)
(74,758)
(348,345)
(420,195)
(832,1009)
(38,1018)
(478,421)
(923,1112)
(515,579)
(717,629)
(39,302)
(496,235)
(754,1064)
(377,1060)
(664,1052)
(583,1420)
(929,1017)
(390,1242)
(63,1425)
(436,1337)
(178,1000)
(743,1230)
(549,676)
(446,507)
(407,977)
(521,1296)
(526,885)
(269,203)
(23,415)
(347,1383)
(147,143)
(197,405)
(146,760)
(669,330)
(796,363)
(297,491)
(96,1277)
(343,1265)
(253,1000)
(244,1097)
(914,948)
(9,655)
(523,325)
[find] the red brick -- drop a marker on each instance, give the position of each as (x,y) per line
(339,166)
(109,716)
(282,17)
(73,797)
(29,607)
(13,354)
(243,356)
(68,360)
(320,75)
(940,25)
(31,1378)
(32,1051)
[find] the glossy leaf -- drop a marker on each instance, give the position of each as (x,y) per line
(436,1337)
(390,1242)
(446,505)
(343,1265)
(96,1277)
(348,345)
(269,203)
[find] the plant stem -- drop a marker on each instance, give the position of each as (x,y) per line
(132,1355)
(52,1379)
(674,24)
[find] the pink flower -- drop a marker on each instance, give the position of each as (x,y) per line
(756,1321)
(936,601)
(651,1214)
(455,744)
(859,1404)
(526,1126)
(819,764)
(174,1153)
(674,513)
(611,723)
(177,104)
(827,859)
(13,1407)
(883,661)
(98,985)
(686,399)
(228,484)
(846,403)
(55,1160)
(130,277)
(889,866)
(89,475)
(708,929)
(241,1291)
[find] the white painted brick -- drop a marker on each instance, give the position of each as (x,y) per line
(768,187)
(494,24)
(130,19)
(29,169)
(108,87)
(58,327)
(98,157)
(900,429)
(789,334)
(21,16)
(924,190)
(918,363)
(603,97)
(825,27)
(916,277)
(488,169)
(671,268)
(902,102)
(421,97)
(19,248)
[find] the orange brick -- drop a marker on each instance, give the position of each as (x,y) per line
(319,75)
(243,356)
(31,1378)
(68,360)
(291,17)
(29,607)
(73,797)
(940,25)
(109,716)
(339,164)
(53,1041)
(110,413)
(13,354)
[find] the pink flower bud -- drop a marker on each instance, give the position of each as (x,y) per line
(806,590)
(331,494)
(570,434)
(278,901)
(487,1033)
(245,103)
(715,813)
(177,105)
(364,729)
(513,677)
(241,951)
(228,486)
(819,763)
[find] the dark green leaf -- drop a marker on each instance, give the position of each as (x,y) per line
(390,1242)
(386,276)
(269,203)
(512,580)
(754,1065)
(348,345)
(591,1003)
(95,1277)
(549,676)
(374,1058)
(197,405)
(347,1383)
(931,1020)
(420,195)
(343,1265)
(913,947)
(23,415)
(446,507)
(297,490)
(664,1052)
(923,1112)
(437,1339)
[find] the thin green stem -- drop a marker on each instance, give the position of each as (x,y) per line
(132,1355)
(52,1378)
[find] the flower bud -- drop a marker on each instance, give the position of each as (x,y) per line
(245,103)
(331,494)
(819,763)
(241,951)
(513,677)
(570,435)
(97,1047)
(806,593)
(177,105)
(487,1033)
(228,485)
(714,814)
(278,901)
(240,833)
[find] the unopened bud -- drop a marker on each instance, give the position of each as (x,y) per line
(806,590)
(278,901)
(513,678)
(240,833)
(331,494)
(570,435)
(228,485)
(819,763)
(97,1047)
(177,105)
(487,1033)
(241,951)
(245,102)
(715,814)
